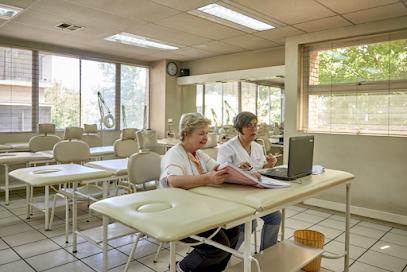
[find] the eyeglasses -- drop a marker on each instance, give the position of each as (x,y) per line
(251,127)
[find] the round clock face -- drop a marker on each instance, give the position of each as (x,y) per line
(172,69)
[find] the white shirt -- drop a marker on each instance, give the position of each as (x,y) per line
(232,151)
(176,163)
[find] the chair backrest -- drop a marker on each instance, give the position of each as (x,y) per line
(146,139)
(212,140)
(144,167)
(68,151)
(127,145)
(44,142)
(73,133)
(93,140)
(264,140)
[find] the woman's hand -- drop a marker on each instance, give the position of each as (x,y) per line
(254,174)
(271,161)
(218,177)
(244,165)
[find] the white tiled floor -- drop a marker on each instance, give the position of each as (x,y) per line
(26,246)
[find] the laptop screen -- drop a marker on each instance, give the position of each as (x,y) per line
(300,157)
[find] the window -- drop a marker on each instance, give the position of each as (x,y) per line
(268,101)
(356,86)
(15,90)
(133,95)
(97,77)
(59,90)
(63,90)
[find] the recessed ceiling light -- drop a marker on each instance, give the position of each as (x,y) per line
(6,12)
(235,17)
(140,41)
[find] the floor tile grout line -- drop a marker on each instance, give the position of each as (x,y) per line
(21,258)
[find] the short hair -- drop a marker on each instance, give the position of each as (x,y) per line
(191,121)
(243,119)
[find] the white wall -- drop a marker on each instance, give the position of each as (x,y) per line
(378,162)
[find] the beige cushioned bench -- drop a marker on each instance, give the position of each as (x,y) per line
(117,167)
(172,214)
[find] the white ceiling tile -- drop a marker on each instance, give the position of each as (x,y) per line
(140,9)
(194,52)
(184,5)
(346,6)
(220,47)
(19,3)
(278,34)
(250,42)
(289,11)
(377,14)
(167,34)
(47,22)
(201,27)
(172,56)
(323,24)
(70,11)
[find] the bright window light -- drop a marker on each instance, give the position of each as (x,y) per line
(6,12)
(139,41)
(384,247)
(235,17)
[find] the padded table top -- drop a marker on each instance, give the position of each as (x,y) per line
(21,157)
(19,145)
(94,151)
(170,214)
(4,147)
(57,174)
(265,199)
(168,141)
(117,167)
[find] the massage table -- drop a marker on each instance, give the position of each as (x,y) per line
(20,146)
(168,143)
(287,255)
(170,215)
(95,152)
(16,158)
(46,176)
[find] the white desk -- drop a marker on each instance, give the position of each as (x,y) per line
(267,201)
(46,176)
(16,158)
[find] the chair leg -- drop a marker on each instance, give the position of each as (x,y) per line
(158,252)
(132,252)
(255,241)
(52,212)
(66,219)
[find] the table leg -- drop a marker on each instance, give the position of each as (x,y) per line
(27,195)
(6,181)
(74,214)
(247,246)
(282,225)
(105,230)
(46,208)
(172,257)
(347,226)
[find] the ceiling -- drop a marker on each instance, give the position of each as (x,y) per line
(168,21)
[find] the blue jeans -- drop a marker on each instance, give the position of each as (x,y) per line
(269,233)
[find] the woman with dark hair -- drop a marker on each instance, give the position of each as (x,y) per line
(185,166)
(248,155)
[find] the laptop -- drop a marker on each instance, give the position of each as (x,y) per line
(300,157)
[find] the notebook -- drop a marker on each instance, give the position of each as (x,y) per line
(300,156)
(241,177)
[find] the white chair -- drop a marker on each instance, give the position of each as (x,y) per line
(44,142)
(91,137)
(70,151)
(126,145)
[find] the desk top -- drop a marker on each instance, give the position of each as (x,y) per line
(265,199)
(57,174)
(21,157)
(170,214)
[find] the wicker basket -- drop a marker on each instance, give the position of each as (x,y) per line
(313,239)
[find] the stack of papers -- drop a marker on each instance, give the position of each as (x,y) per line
(317,169)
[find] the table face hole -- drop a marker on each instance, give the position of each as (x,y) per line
(46,171)
(154,207)
(8,155)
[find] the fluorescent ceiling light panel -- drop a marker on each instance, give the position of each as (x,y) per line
(6,12)
(235,17)
(140,41)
